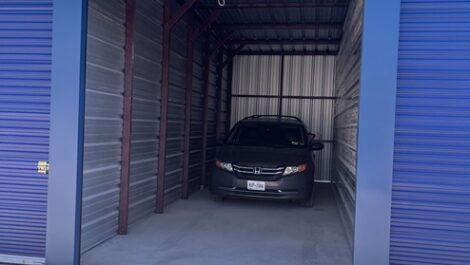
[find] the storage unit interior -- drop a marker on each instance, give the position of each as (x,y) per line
(256,57)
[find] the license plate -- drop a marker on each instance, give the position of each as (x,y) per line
(256,185)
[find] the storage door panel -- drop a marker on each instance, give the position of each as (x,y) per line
(25,70)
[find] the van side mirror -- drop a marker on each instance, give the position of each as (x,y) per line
(317,146)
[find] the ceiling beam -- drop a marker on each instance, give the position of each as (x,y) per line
(273,5)
(180,13)
(284,41)
(279,26)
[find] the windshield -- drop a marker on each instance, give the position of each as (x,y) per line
(272,135)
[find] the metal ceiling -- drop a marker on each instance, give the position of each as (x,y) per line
(289,26)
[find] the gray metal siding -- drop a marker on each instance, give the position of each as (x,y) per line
(312,76)
(103,121)
(256,75)
(25,73)
(431,183)
(305,76)
(212,116)
(222,114)
(146,108)
(195,159)
(346,115)
(176,114)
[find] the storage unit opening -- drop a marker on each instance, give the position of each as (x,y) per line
(111,113)
(230,62)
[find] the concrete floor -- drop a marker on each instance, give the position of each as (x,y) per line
(233,232)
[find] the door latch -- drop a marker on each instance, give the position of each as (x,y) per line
(43,167)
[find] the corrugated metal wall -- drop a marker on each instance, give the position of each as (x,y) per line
(223,107)
(211,115)
(346,115)
(312,76)
(176,114)
(146,108)
(25,60)
(103,120)
(431,180)
(104,107)
(307,90)
(195,160)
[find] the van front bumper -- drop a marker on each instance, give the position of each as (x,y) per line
(293,187)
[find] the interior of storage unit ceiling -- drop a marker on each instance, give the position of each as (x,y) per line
(346,115)
(307,87)
(430,218)
(104,110)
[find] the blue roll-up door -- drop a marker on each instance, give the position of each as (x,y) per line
(431,183)
(25,63)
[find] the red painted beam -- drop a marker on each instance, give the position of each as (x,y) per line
(166,49)
(205,24)
(180,12)
(127,119)
(192,37)
(168,22)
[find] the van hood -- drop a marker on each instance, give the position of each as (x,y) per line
(263,156)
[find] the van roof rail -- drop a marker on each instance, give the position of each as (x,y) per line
(273,116)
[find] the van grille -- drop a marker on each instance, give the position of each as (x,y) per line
(259,171)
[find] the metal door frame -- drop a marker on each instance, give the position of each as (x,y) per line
(376,128)
(66,132)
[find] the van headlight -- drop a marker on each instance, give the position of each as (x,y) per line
(294,169)
(224,165)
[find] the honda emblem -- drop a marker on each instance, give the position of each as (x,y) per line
(257,171)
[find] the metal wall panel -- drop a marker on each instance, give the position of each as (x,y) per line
(243,107)
(212,114)
(176,113)
(223,111)
(25,75)
(310,77)
(146,109)
(346,115)
(195,160)
(318,116)
(256,75)
(103,121)
(431,183)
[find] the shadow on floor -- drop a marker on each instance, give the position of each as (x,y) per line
(232,232)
